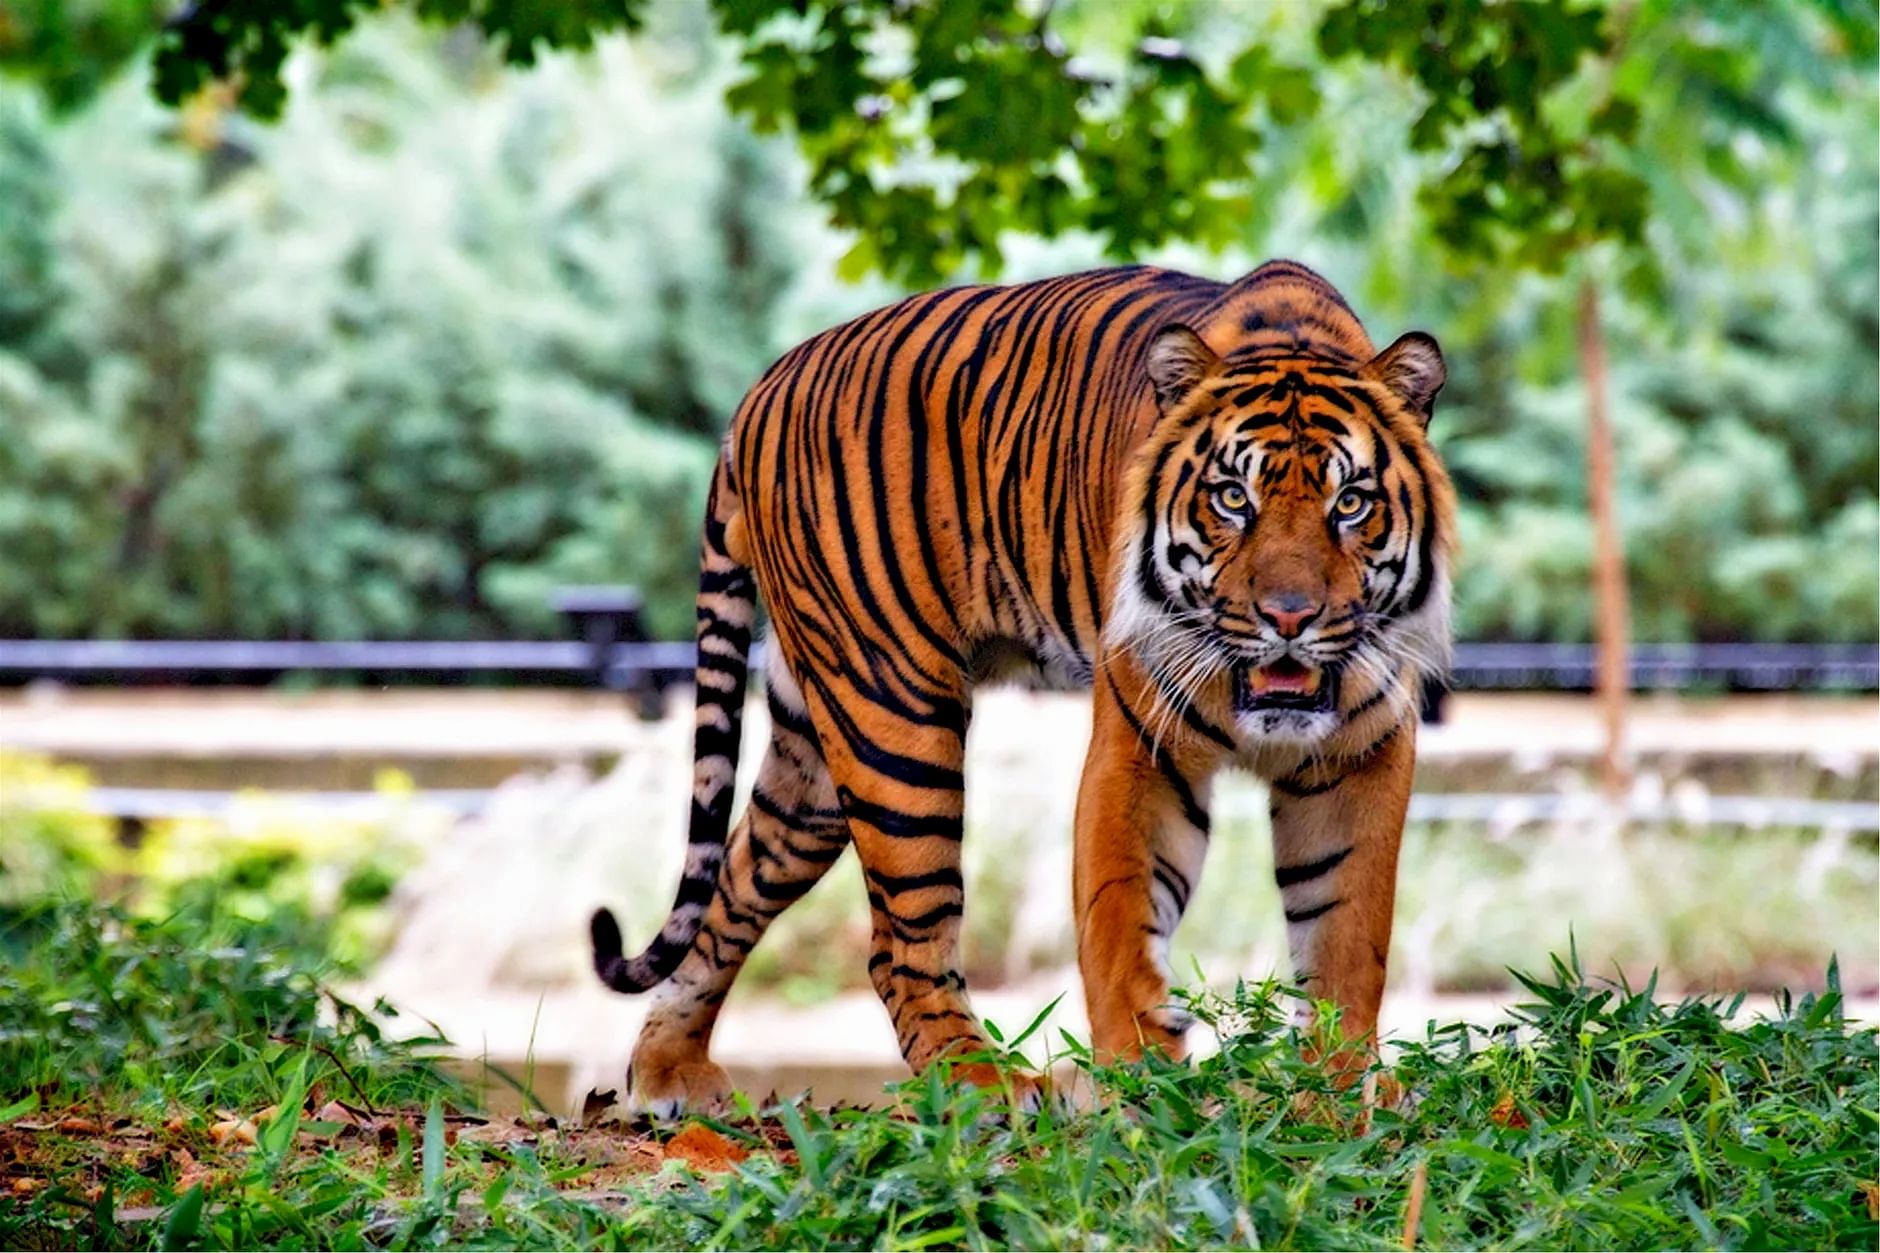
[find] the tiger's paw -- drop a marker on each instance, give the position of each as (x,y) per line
(1378,1089)
(668,1089)
(1162,1030)
(1026,1091)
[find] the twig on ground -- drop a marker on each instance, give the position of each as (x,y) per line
(333,1057)
(1413,1209)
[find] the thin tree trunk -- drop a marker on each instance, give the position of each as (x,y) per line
(1610,624)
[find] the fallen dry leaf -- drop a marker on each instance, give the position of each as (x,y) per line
(514,1131)
(25,1186)
(595,1105)
(189,1172)
(337,1111)
(701,1148)
(1413,1205)
(233,1130)
(80,1126)
(1506,1115)
(1871,1190)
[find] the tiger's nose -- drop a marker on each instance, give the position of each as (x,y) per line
(1289,613)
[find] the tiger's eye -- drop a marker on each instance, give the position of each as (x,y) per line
(1351,505)
(1233,497)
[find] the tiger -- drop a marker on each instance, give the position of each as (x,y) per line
(1214,505)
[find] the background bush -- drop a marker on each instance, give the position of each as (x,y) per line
(446,337)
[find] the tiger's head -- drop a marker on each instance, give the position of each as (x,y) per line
(1287,528)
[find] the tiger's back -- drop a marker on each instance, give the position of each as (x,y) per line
(957,457)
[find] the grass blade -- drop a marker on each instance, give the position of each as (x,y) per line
(185,1217)
(433,1174)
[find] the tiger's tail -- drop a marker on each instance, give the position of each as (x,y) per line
(727,603)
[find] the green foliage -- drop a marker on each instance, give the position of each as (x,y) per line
(261,862)
(1613,1122)
(247,41)
(1560,126)
(73,47)
(347,377)
(1606,1120)
(1519,179)
(442,338)
(51,843)
(932,130)
(202,1007)
(1745,394)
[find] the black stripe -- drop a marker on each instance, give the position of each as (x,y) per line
(1307,915)
(894,822)
(1370,702)
(734,582)
(807,819)
(893,884)
(1166,876)
(1300,790)
(789,719)
(1292,876)
(917,927)
(1184,793)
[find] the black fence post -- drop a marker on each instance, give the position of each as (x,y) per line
(1433,697)
(602,617)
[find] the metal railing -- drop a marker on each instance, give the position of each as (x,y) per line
(1737,667)
(610,651)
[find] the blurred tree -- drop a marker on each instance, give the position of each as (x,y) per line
(932,129)
(1547,158)
(444,336)
(348,376)
(73,47)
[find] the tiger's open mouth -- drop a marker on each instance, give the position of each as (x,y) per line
(1284,684)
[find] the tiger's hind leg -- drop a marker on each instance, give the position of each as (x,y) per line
(899,773)
(791,834)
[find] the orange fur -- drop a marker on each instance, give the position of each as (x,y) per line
(1045,480)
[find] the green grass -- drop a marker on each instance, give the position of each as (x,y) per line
(1605,1120)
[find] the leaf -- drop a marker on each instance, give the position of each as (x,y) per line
(1099,1153)
(233,1131)
(1036,1022)
(1667,1092)
(340,1114)
(702,1148)
(595,1105)
(180,1228)
(433,1168)
(1505,1114)
(808,1150)
(282,1121)
(19,1109)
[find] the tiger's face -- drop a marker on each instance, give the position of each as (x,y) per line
(1287,532)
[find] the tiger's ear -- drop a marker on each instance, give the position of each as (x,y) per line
(1179,362)
(1413,368)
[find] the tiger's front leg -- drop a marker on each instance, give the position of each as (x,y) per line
(1337,828)
(1142,835)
